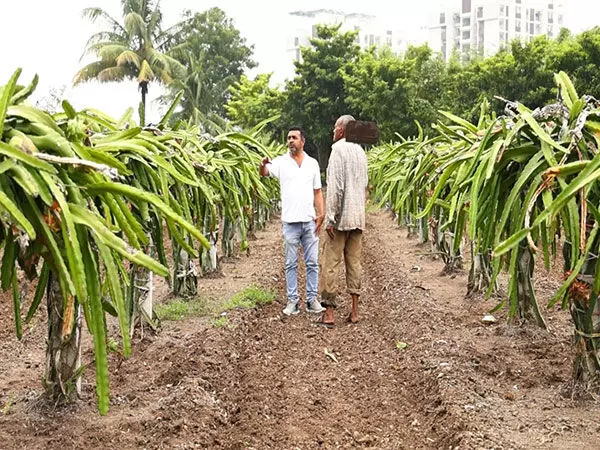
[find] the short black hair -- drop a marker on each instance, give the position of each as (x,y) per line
(300,129)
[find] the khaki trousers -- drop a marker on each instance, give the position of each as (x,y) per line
(346,244)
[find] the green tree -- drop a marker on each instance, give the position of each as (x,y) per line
(519,72)
(534,84)
(376,81)
(316,97)
(427,74)
(214,55)
(253,101)
(395,91)
(579,56)
(130,50)
(482,79)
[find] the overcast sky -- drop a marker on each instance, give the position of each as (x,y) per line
(48,37)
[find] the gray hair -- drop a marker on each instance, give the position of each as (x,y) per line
(343,120)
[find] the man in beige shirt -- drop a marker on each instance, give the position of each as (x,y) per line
(347,181)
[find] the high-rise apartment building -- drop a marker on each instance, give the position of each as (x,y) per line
(483,27)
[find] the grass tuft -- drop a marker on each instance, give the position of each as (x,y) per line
(179,309)
(250,297)
(221,322)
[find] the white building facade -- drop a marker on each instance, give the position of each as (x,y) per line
(483,27)
(371,30)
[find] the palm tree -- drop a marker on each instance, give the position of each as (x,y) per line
(196,91)
(132,50)
(202,96)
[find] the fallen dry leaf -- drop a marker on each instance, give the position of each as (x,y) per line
(330,354)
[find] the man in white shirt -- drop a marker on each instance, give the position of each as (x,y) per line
(300,180)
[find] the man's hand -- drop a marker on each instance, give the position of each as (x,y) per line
(262,168)
(319,223)
(330,231)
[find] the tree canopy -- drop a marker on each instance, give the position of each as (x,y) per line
(214,55)
(335,77)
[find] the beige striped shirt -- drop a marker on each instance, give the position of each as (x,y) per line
(347,181)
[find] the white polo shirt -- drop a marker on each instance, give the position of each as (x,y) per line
(297,186)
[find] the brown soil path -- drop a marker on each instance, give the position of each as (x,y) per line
(268,383)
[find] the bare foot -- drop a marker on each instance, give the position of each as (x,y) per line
(352,318)
(328,316)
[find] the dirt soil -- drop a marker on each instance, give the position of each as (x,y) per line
(420,371)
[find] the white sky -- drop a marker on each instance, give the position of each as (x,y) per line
(48,37)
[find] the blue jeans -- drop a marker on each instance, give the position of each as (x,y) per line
(294,235)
